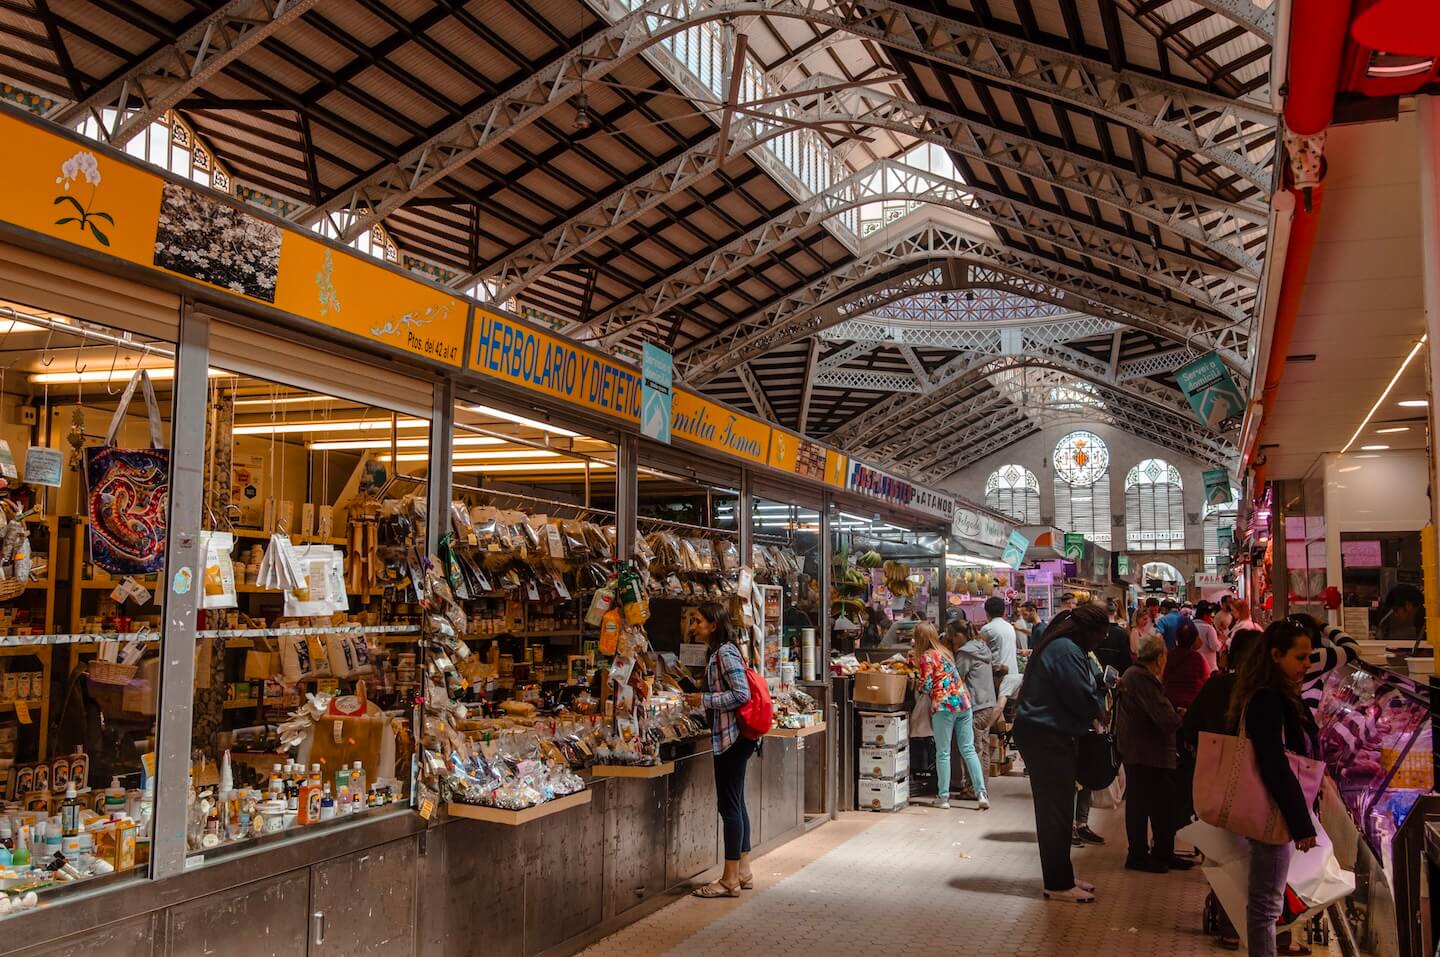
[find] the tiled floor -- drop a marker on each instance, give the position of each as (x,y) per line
(928,881)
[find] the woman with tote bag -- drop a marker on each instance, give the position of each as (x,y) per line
(1266,709)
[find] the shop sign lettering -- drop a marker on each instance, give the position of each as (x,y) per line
(544,363)
(716,427)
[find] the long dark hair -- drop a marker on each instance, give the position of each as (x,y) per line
(1085,625)
(719,618)
(1258,669)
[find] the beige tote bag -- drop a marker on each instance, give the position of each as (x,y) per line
(1229,793)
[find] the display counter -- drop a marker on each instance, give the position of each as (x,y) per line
(453,886)
(1376,739)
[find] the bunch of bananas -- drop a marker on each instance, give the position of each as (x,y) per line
(870,559)
(897,579)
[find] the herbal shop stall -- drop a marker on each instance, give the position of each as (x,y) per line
(353,540)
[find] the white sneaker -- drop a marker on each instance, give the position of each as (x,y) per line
(943,804)
(984,803)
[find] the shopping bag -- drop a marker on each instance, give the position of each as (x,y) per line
(129,493)
(1109,798)
(1315,879)
(1228,791)
(218,583)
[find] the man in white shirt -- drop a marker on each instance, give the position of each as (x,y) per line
(1000,636)
(1210,642)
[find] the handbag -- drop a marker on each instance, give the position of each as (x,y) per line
(129,494)
(1097,761)
(1229,793)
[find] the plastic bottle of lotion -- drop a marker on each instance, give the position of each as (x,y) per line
(357,788)
(70,812)
(327,804)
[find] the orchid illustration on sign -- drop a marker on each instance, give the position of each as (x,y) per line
(83,165)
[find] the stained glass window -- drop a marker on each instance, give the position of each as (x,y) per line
(1154,507)
(1082,486)
(1015,491)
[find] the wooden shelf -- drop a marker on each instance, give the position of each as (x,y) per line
(233,705)
(795,732)
(256,533)
(633,770)
(495,815)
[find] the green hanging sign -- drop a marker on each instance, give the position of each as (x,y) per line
(1075,545)
(1211,391)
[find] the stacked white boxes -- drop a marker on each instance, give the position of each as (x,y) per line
(883,763)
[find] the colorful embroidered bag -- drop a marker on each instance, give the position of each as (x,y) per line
(129,494)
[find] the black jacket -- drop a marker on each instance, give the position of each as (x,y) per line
(1062,692)
(1274,726)
(1145,721)
(1208,711)
(1114,649)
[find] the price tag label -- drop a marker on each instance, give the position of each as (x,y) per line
(22,711)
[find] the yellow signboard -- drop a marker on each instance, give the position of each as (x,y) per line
(507,349)
(59,188)
(83,195)
(368,300)
(713,426)
(835,468)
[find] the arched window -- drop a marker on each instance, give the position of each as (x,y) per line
(1220,523)
(1154,507)
(1015,491)
(1082,486)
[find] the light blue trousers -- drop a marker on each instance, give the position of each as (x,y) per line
(961,726)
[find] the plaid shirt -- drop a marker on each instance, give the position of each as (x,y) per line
(725,670)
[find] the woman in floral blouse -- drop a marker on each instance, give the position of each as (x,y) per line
(950,711)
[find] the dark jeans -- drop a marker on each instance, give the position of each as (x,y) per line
(730,767)
(1150,800)
(1050,759)
(1082,807)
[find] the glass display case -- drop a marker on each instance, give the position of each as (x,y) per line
(1375,735)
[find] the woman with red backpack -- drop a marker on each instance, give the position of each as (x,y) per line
(733,738)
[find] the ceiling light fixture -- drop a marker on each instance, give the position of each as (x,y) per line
(537,467)
(479,456)
(521,420)
(1374,448)
(1414,351)
(1392,430)
(329,425)
(288,400)
(157,374)
(1414,403)
(355,445)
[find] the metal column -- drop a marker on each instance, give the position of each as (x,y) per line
(181,587)
(1280,563)
(1429,110)
(745,517)
(822,664)
(437,498)
(627,495)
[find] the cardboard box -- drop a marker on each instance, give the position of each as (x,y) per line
(260,665)
(878,688)
(889,763)
(884,730)
(879,795)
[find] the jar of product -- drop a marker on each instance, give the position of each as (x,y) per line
(272,813)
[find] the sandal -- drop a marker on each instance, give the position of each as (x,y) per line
(1075,895)
(747,881)
(1085,886)
(717,889)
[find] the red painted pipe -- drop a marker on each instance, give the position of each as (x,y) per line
(1318,30)
(1303,230)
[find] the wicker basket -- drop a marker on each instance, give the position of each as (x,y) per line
(110,673)
(11,588)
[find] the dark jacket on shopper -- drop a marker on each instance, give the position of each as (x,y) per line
(1208,711)
(1185,674)
(1062,693)
(1114,650)
(1145,721)
(1275,726)
(972,660)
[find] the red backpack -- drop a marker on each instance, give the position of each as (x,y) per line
(757,716)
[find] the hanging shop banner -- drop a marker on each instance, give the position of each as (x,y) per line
(1209,580)
(1212,392)
(1217,486)
(972,526)
(348,293)
(836,468)
(90,199)
(876,484)
(797,454)
(1075,545)
(504,348)
(1122,565)
(1225,539)
(1015,549)
(714,426)
(657,369)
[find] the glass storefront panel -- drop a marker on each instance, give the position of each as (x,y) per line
(886,577)
(84,511)
(313,536)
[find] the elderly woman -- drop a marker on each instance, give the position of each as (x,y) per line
(1145,726)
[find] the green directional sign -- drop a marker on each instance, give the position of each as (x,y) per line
(1211,391)
(1122,564)
(1075,545)
(1217,486)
